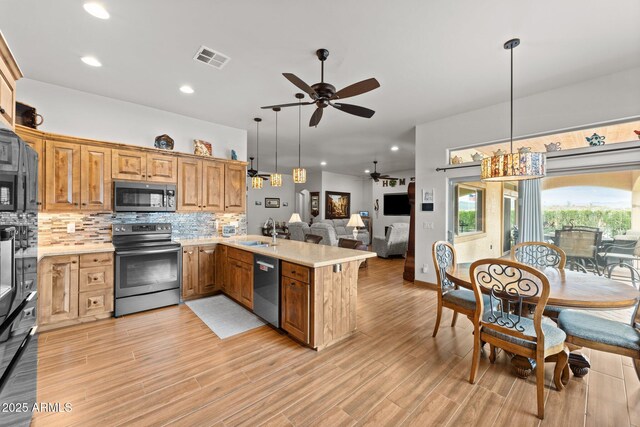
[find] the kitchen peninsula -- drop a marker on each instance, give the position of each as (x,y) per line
(318,283)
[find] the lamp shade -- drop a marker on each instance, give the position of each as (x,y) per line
(256,182)
(513,167)
(295,218)
(355,221)
(276,179)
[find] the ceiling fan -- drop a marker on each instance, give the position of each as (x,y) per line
(325,94)
(377,176)
(252,172)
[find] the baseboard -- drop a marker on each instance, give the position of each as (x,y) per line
(427,285)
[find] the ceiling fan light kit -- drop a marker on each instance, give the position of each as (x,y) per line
(276,178)
(513,166)
(324,94)
(299,173)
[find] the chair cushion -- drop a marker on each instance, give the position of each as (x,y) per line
(554,309)
(552,334)
(593,328)
(464,298)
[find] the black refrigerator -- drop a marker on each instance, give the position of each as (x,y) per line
(18,279)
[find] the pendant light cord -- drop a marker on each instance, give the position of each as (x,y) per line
(276,142)
(511,130)
(299,131)
(258,146)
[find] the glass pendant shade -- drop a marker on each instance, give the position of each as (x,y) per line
(299,175)
(257,182)
(513,167)
(276,179)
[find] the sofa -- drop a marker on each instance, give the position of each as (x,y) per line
(395,242)
(341,230)
(327,232)
(298,230)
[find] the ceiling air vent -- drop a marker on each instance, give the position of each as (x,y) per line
(211,57)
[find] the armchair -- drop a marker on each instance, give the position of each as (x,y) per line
(298,230)
(327,232)
(395,242)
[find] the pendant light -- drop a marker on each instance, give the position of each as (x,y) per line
(256,181)
(299,173)
(513,166)
(276,178)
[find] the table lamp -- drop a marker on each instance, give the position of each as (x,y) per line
(355,221)
(295,218)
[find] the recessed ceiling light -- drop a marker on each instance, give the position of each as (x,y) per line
(186,89)
(97,10)
(323,163)
(395,148)
(367,171)
(90,60)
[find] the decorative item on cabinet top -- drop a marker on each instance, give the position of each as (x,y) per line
(477,157)
(595,140)
(27,115)
(202,148)
(164,142)
(637,132)
(553,146)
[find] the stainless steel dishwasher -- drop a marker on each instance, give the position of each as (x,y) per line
(266,288)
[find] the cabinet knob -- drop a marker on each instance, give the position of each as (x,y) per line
(84,204)
(2,110)
(95,260)
(73,262)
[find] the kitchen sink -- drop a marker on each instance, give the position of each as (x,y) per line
(254,243)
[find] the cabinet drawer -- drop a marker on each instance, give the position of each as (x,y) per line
(295,271)
(240,255)
(94,278)
(96,302)
(96,260)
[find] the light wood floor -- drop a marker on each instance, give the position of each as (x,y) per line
(166,367)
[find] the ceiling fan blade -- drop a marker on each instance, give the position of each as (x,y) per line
(356,110)
(315,119)
(293,104)
(300,84)
(357,89)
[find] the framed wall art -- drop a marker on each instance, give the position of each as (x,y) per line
(337,205)
(271,202)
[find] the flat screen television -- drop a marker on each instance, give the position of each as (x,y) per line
(396,205)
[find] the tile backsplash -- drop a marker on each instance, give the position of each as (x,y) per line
(96,228)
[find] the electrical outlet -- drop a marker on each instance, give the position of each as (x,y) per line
(71,227)
(427,225)
(425,268)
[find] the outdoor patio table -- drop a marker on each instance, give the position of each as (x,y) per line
(570,289)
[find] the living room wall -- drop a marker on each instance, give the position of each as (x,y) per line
(378,190)
(355,185)
(258,214)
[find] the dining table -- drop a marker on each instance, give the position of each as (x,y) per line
(567,289)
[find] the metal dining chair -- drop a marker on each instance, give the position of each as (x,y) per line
(312,238)
(449,296)
(540,255)
(505,325)
(586,330)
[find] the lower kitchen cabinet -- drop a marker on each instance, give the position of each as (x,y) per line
(74,289)
(198,271)
(240,276)
(295,308)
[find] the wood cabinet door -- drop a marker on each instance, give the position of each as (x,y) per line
(63,176)
(212,186)
(95,179)
(162,168)
(189,185)
(206,269)
(234,279)
(58,289)
(235,189)
(129,164)
(37,143)
(189,271)
(7,96)
(295,308)
(222,269)
(246,285)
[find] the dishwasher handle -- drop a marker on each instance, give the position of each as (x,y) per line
(264,264)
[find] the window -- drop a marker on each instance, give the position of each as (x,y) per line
(469,210)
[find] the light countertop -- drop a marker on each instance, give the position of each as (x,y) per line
(306,254)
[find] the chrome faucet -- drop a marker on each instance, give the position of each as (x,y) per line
(274,233)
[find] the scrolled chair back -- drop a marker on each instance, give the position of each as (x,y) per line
(539,254)
(444,256)
(512,287)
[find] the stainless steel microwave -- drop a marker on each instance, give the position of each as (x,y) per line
(131,196)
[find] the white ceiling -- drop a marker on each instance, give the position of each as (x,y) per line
(432,58)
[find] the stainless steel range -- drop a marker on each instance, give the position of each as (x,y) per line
(148,267)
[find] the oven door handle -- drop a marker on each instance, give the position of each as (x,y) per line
(16,358)
(148,252)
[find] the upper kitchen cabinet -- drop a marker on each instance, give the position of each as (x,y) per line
(129,164)
(213,180)
(78,177)
(235,190)
(141,166)
(63,176)
(201,185)
(35,140)
(9,74)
